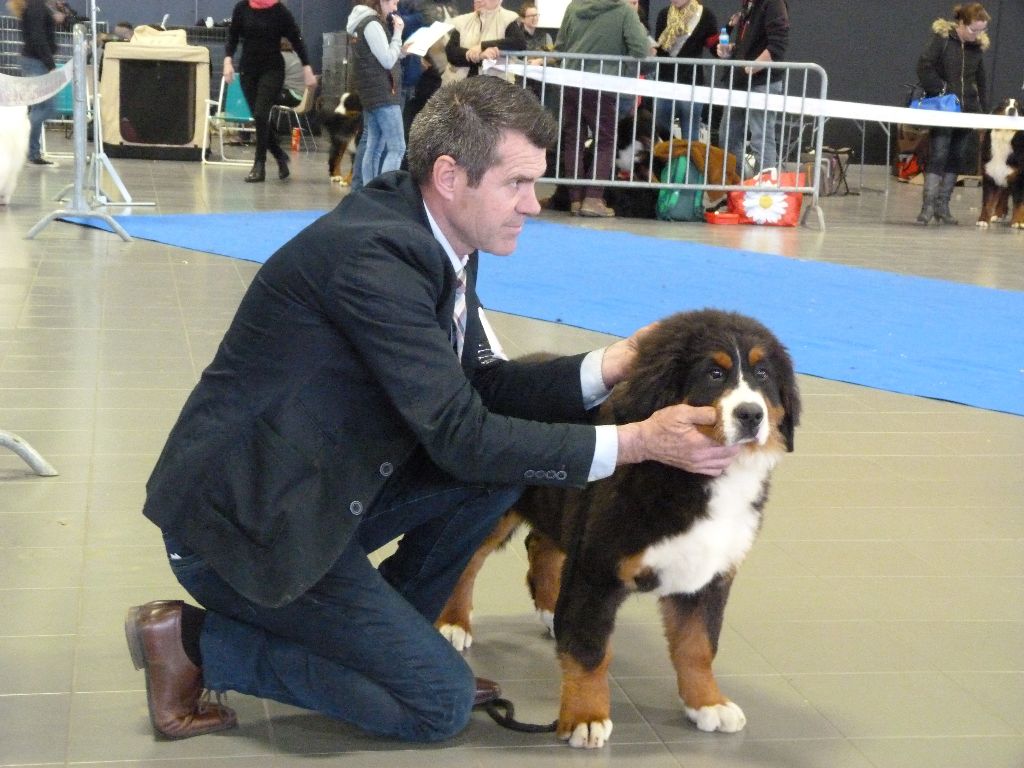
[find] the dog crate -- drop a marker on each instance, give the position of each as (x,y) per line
(154,99)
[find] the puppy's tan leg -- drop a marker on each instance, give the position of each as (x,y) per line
(455,617)
(584,719)
(544,576)
(692,624)
(1017,222)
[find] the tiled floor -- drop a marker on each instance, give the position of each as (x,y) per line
(878,623)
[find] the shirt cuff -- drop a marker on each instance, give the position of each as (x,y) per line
(591,381)
(606,452)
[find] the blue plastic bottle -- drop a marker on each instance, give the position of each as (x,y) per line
(723,36)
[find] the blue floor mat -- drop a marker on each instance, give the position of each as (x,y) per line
(900,333)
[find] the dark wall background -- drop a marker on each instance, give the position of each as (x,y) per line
(869,48)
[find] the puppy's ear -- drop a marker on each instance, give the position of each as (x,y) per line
(789,394)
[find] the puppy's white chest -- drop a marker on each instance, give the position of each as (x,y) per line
(997,168)
(686,562)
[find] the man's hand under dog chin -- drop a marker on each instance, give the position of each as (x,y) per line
(619,358)
(671,436)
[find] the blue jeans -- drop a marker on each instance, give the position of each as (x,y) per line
(684,112)
(384,135)
(360,644)
(761,124)
(39,113)
(946,150)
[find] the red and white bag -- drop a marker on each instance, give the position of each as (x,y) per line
(769,207)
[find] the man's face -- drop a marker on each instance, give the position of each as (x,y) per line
(490,216)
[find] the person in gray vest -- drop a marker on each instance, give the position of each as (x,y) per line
(378,80)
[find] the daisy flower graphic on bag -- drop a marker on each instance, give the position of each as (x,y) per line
(765,207)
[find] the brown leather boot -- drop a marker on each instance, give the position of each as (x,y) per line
(174,685)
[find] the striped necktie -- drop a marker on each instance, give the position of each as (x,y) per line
(459,313)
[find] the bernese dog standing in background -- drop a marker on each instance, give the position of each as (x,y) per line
(652,528)
(343,124)
(1002,157)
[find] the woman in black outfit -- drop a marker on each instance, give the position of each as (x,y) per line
(260,25)
(952,63)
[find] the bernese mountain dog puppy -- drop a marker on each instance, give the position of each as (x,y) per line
(1002,155)
(343,124)
(653,528)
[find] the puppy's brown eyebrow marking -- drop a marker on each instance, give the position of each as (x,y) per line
(756,355)
(722,358)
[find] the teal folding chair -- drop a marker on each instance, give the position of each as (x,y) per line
(229,115)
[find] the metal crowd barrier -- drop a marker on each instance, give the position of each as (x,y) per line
(714,108)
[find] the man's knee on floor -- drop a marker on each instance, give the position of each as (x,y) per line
(449,713)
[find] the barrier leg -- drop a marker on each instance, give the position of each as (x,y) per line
(38,464)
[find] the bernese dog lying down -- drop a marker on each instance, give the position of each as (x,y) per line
(652,528)
(343,124)
(14,128)
(1002,157)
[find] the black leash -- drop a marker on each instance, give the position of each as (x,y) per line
(504,714)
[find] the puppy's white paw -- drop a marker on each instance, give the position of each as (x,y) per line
(983,224)
(727,718)
(459,637)
(547,618)
(1017,225)
(590,735)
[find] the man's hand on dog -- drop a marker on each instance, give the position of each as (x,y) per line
(671,436)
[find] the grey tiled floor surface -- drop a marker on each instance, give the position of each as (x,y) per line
(878,622)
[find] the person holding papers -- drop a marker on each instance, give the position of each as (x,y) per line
(480,35)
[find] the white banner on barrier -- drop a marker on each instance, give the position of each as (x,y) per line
(24,91)
(791,104)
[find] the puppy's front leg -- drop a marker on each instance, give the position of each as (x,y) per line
(584,619)
(692,626)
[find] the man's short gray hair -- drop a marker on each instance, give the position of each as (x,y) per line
(466,120)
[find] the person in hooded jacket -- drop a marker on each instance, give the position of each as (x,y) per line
(612,28)
(952,63)
(259,26)
(378,79)
(38,29)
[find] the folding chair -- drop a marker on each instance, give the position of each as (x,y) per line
(298,117)
(229,114)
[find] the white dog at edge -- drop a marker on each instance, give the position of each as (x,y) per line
(14,129)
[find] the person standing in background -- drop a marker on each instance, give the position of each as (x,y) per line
(478,35)
(259,26)
(759,32)
(38,29)
(611,28)
(952,63)
(536,39)
(378,80)
(684,29)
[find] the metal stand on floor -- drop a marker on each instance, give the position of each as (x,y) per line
(79,205)
(38,464)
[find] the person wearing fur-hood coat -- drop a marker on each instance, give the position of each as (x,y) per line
(952,62)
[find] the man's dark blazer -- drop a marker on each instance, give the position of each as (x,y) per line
(337,366)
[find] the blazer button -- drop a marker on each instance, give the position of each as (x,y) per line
(561,474)
(356,507)
(528,474)
(550,474)
(386,469)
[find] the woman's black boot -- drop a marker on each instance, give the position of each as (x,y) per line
(258,172)
(282,166)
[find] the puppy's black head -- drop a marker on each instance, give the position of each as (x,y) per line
(722,359)
(1009,107)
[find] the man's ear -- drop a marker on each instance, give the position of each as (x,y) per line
(445,176)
